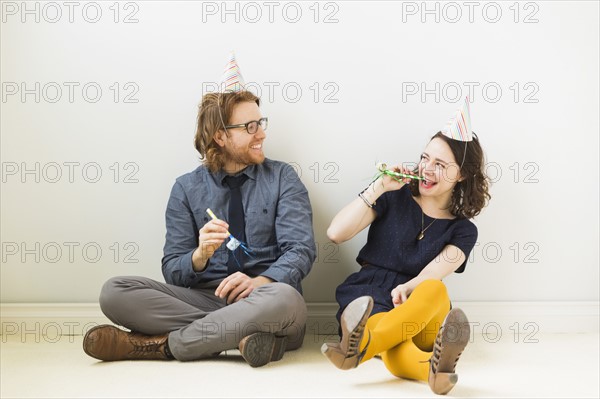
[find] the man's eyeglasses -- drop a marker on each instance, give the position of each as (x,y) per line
(252,126)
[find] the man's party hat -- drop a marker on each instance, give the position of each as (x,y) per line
(232,80)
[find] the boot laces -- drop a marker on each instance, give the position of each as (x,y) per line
(437,352)
(354,342)
(145,347)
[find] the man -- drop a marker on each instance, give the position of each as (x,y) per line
(215,298)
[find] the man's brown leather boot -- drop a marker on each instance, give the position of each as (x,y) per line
(261,348)
(110,343)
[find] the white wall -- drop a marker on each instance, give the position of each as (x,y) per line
(357,75)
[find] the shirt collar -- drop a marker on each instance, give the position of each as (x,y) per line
(250,171)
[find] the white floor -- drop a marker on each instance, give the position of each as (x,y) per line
(557,365)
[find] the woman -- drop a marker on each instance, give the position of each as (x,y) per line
(396,305)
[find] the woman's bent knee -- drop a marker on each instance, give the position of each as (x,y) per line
(433,286)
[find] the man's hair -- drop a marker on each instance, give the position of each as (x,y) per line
(471,194)
(214,111)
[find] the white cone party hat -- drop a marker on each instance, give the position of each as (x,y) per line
(232,80)
(459,126)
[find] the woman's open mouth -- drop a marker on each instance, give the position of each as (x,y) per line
(427,183)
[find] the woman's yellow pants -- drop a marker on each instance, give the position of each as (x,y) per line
(404,336)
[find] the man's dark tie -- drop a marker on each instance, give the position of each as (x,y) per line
(236,220)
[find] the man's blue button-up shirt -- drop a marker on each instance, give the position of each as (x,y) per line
(278,225)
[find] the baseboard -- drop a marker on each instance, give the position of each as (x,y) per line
(488,318)
(496,318)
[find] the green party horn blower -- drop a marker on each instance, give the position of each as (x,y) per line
(383,170)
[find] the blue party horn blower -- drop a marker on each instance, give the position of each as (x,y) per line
(233,243)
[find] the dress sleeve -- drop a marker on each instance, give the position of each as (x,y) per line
(381,205)
(395,197)
(464,237)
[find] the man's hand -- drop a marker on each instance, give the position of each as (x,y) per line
(238,286)
(211,236)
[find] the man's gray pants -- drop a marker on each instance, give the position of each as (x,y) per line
(199,323)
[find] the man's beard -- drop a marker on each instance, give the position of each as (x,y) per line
(242,159)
